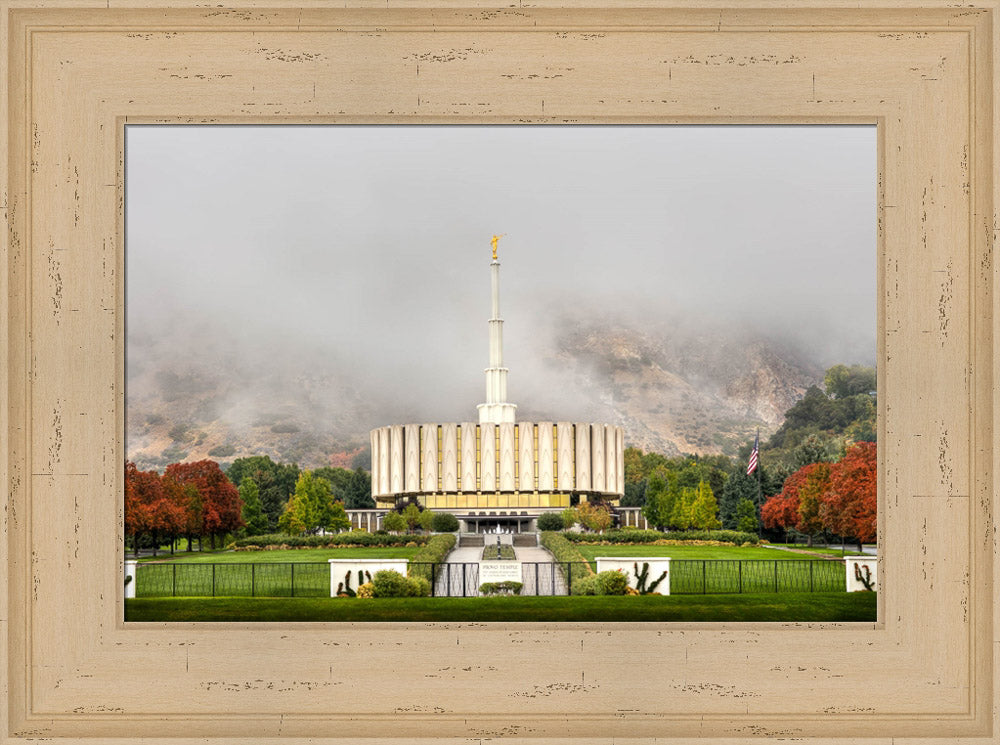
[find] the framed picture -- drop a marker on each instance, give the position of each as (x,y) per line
(74,77)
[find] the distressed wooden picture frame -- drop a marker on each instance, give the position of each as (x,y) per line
(76,72)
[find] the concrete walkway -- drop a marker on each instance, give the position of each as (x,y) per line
(450,581)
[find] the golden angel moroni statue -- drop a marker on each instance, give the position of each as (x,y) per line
(496,239)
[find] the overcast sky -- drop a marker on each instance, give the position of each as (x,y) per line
(373,242)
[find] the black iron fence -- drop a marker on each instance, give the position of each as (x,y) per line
(312,579)
(267,579)
(461,579)
(708,576)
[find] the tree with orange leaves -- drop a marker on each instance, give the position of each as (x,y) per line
(848,507)
(220,503)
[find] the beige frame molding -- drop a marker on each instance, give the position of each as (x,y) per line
(75,72)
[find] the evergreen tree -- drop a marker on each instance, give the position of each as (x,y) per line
(738,486)
(358,493)
(746,516)
(253,513)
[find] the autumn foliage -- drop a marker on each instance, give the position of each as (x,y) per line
(836,497)
(190,499)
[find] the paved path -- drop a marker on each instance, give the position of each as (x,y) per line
(470,555)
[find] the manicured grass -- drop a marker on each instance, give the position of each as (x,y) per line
(849,550)
(688,552)
(837,606)
(292,572)
(728,569)
(293,554)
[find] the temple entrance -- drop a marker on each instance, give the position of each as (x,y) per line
(496,524)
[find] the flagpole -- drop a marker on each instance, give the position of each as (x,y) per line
(760,494)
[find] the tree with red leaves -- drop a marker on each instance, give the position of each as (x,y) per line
(848,507)
(141,488)
(151,509)
(796,505)
(220,504)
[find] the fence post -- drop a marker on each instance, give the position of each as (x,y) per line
(433,567)
(173,586)
(569,578)
(253,580)
(741,576)
(810,576)
(704,581)
(537,588)
(775,575)
(293,579)
(552,567)
(213,580)
(465,570)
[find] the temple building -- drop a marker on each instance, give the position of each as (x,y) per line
(499,473)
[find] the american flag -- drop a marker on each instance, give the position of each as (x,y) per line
(752,465)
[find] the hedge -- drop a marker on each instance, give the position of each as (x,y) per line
(434,552)
(351,538)
(564,551)
(651,536)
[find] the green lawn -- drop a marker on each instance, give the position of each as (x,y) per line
(731,569)
(292,572)
(292,554)
(728,553)
(836,606)
(849,550)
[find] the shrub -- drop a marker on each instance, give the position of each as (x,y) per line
(611,582)
(585,585)
(550,521)
(389,584)
(222,451)
(568,516)
(367,590)
(418,587)
(507,587)
(433,552)
(560,548)
(445,522)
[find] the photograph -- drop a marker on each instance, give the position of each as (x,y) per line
(500,373)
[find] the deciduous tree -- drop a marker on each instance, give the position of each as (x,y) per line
(221,507)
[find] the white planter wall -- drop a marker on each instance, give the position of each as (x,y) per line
(340,567)
(867,566)
(627,564)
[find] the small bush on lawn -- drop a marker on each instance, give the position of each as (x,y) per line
(550,521)
(389,584)
(418,587)
(507,587)
(445,522)
(367,590)
(585,585)
(611,582)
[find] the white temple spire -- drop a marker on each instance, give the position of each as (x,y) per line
(496,409)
